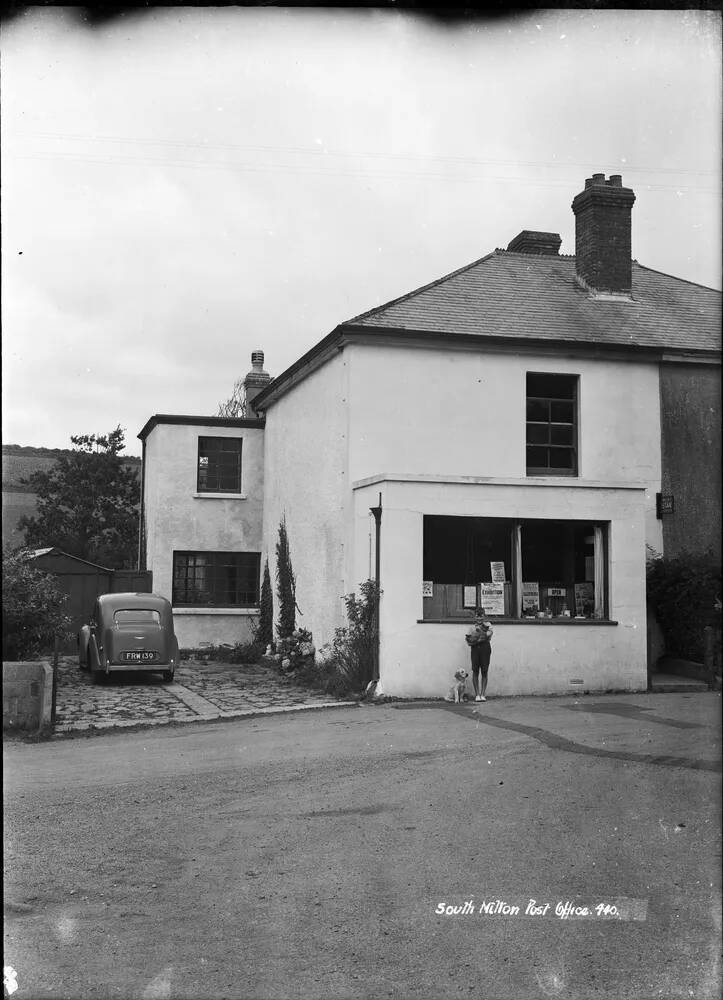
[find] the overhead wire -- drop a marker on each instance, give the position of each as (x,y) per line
(322,150)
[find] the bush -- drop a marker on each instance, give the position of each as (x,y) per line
(347,666)
(683,593)
(354,647)
(324,675)
(33,609)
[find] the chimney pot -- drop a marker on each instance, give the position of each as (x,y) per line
(256,380)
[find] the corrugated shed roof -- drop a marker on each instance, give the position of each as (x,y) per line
(520,295)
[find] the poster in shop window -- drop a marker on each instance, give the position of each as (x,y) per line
(427,588)
(497,572)
(584,598)
(531,597)
(492,598)
(469,597)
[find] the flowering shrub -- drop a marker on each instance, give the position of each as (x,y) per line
(296,650)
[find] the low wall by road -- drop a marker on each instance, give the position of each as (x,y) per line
(27,695)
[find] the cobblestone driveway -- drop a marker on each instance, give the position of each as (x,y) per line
(199,691)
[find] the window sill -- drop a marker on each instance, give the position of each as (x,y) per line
(219,496)
(494,620)
(215,611)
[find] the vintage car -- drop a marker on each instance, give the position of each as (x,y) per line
(129,632)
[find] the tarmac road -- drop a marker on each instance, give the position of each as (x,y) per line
(315,855)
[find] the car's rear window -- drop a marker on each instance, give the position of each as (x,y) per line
(137,616)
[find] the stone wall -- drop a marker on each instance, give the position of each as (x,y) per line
(27,695)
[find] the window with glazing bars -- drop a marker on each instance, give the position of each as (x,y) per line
(552,446)
(216,579)
(219,465)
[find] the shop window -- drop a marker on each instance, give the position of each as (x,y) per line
(531,568)
(219,465)
(216,579)
(552,425)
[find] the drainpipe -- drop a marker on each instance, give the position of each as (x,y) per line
(141,519)
(377,512)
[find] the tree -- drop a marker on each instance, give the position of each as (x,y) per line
(33,608)
(265,630)
(285,584)
(235,405)
(87,503)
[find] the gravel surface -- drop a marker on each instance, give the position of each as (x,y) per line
(308,856)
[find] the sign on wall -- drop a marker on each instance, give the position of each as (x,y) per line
(427,588)
(498,572)
(492,598)
(531,597)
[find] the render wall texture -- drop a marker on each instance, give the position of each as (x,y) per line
(690,403)
(307,481)
(178,518)
(443,411)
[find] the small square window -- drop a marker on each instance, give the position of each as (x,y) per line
(219,465)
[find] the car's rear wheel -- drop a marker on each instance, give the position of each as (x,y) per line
(168,675)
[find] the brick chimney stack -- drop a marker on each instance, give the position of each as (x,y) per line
(603,249)
(256,380)
(532,241)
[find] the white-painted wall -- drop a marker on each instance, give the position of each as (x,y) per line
(307,481)
(418,659)
(420,412)
(436,410)
(176,518)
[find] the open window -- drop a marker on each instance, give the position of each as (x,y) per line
(519,569)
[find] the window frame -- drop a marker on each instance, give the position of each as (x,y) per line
(549,400)
(450,596)
(215,563)
(204,452)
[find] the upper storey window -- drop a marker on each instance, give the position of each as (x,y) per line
(552,445)
(219,465)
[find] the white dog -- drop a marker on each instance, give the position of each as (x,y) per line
(457,691)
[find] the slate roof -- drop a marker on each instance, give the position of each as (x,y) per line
(536,296)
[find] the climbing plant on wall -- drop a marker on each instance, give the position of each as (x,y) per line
(285,584)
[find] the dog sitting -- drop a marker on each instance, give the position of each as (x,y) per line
(457,691)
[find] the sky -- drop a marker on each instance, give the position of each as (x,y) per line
(185,186)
